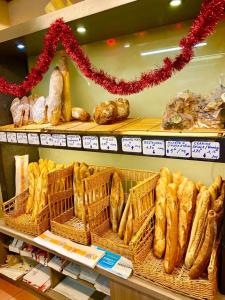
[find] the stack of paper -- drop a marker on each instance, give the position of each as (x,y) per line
(74,290)
(12,272)
(72,270)
(88,275)
(39,278)
(57,263)
(16,245)
(102,285)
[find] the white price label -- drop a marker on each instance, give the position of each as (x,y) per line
(178,149)
(108,143)
(206,150)
(90,142)
(154,147)
(3,137)
(33,139)
(22,138)
(11,137)
(46,139)
(59,140)
(130,144)
(74,141)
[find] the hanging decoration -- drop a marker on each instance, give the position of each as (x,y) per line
(212,11)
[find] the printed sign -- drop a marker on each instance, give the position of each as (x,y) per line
(3,137)
(59,140)
(22,138)
(154,147)
(11,137)
(33,139)
(46,139)
(74,141)
(90,142)
(206,150)
(108,143)
(130,144)
(178,149)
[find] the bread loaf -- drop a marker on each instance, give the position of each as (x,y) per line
(203,257)
(177,178)
(17,112)
(39,110)
(186,212)
(114,201)
(160,218)
(181,188)
(123,221)
(123,109)
(172,228)
(129,226)
(80,114)
(105,113)
(165,172)
(198,226)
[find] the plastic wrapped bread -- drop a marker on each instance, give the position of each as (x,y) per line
(38,110)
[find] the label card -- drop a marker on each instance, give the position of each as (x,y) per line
(90,142)
(206,150)
(3,137)
(33,139)
(130,144)
(74,141)
(178,149)
(108,143)
(22,138)
(11,137)
(154,147)
(59,140)
(46,139)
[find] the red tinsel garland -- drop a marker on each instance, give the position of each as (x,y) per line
(211,13)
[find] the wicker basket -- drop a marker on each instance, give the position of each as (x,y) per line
(24,224)
(61,205)
(151,268)
(137,184)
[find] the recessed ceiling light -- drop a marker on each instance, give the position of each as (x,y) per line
(127,45)
(175,3)
(20,46)
(81,29)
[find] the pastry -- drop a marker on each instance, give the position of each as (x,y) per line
(80,114)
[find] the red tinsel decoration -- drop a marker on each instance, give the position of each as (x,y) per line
(211,13)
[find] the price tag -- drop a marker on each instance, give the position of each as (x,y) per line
(90,142)
(33,139)
(59,140)
(74,141)
(11,137)
(178,149)
(154,147)
(206,150)
(46,139)
(131,144)
(108,143)
(3,137)
(22,138)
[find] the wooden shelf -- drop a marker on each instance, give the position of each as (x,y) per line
(142,136)
(133,282)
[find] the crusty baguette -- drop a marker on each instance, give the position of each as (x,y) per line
(172,228)
(123,221)
(198,226)
(199,185)
(160,218)
(181,188)
(129,226)
(203,258)
(177,178)
(165,172)
(114,201)
(186,212)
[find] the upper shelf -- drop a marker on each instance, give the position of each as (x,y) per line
(103,19)
(132,136)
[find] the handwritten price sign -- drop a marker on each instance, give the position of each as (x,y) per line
(206,150)
(33,139)
(154,147)
(130,144)
(74,141)
(178,149)
(108,143)
(3,137)
(90,142)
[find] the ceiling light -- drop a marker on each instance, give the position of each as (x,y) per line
(169,49)
(81,29)
(20,46)
(175,3)
(127,45)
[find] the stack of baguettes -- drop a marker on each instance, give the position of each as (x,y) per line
(187,221)
(37,179)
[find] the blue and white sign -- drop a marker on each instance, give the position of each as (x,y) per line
(3,137)
(33,139)
(90,142)
(59,140)
(178,149)
(108,143)
(22,138)
(46,139)
(74,141)
(154,147)
(206,150)
(131,144)
(11,137)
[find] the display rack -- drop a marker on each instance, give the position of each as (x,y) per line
(133,137)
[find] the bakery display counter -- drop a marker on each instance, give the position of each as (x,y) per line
(143,136)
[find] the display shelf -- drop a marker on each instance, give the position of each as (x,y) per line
(133,282)
(143,136)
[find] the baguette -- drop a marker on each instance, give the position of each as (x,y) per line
(165,172)
(186,212)
(201,211)
(172,228)
(203,258)
(160,218)
(114,201)
(199,185)
(181,188)
(129,226)
(123,221)
(177,178)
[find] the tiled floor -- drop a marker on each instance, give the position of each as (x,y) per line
(9,291)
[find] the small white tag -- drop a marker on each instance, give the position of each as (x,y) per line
(154,147)
(74,141)
(206,150)
(3,137)
(33,139)
(90,142)
(46,139)
(130,144)
(108,143)
(11,137)
(22,138)
(178,149)
(59,140)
